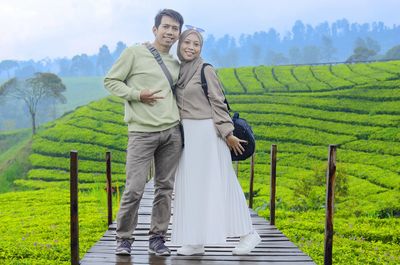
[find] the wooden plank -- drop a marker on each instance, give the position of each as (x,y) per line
(210,250)
(116,258)
(275,248)
(282,243)
(155,261)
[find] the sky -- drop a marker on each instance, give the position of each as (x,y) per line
(36,29)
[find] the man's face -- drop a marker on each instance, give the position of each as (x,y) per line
(167,33)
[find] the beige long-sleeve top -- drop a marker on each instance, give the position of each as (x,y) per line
(193,104)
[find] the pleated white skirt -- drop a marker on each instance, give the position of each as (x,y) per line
(209,203)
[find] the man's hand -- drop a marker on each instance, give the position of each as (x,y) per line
(149,97)
(234,144)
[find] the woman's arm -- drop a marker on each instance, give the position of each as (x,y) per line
(220,113)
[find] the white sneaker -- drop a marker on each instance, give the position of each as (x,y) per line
(188,250)
(247,244)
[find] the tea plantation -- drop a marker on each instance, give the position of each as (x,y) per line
(302,109)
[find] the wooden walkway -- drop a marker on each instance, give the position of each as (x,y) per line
(275,248)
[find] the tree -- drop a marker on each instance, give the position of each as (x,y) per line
(364,50)
(81,65)
(361,54)
(295,56)
(256,54)
(7,65)
(25,71)
(33,91)
(327,49)
(118,50)
(299,32)
(276,58)
(311,54)
(393,53)
(64,66)
(372,44)
(104,59)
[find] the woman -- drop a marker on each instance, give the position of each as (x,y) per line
(209,203)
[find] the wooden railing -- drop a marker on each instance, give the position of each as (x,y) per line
(330,183)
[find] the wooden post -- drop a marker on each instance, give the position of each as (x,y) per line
(109,187)
(272,185)
(74,207)
(251,181)
(330,187)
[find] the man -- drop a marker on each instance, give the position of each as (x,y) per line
(153,124)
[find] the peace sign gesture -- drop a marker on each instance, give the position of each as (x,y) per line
(148,97)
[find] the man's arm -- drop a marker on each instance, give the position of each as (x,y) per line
(116,77)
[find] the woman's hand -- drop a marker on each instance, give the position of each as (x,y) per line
(235,144)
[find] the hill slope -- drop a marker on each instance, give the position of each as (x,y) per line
(302,109)
(14,152)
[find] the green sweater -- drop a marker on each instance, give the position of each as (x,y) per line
(136,69)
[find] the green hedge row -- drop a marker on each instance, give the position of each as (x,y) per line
(264,74)
(374,146)
(337,128)
(324,74)
(68,133)
(85,151)
(60,163)
(62,175)
(246,76)
(344,72)
(323,115)
(285,76)
(327,104)
(304,75)
(229,81)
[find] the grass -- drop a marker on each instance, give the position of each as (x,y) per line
(15,149)
(302,124)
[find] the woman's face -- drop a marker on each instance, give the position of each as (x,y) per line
(190,47)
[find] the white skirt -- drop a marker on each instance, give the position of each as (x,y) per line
(209,203)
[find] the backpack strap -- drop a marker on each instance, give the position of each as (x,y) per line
(205,86)
(160,61)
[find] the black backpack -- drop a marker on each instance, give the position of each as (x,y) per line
(242,128)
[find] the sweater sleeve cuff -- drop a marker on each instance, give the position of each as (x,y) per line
(135,95)
(225,132)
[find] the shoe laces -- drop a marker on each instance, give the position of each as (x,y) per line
(125,244)
(157,240)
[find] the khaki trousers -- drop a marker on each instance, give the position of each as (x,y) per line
(166,148)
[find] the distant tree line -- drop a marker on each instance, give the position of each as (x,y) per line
(304,44)
(78,65)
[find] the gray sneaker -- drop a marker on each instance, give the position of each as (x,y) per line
(123,247)
(156,246)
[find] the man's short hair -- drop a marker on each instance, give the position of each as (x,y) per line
(172,14)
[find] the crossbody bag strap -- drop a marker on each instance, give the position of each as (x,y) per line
(205,86)
(160,61)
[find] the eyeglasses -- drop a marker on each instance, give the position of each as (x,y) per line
(199,30)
